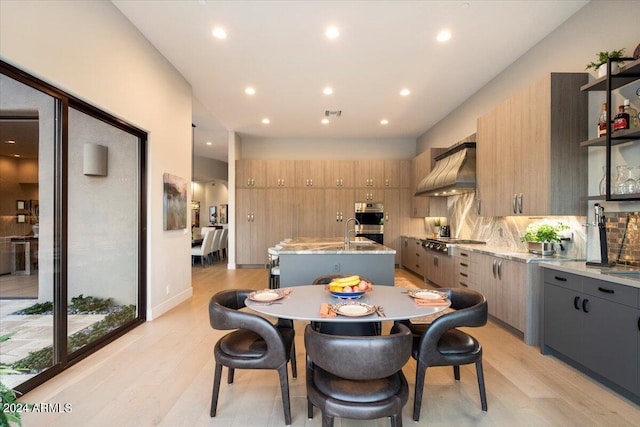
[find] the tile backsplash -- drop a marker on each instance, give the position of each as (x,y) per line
(623,237)
(505,231)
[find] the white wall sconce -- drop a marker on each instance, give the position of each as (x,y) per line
(95,160)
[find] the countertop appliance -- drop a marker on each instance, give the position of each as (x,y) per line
(442,244)
(370,216)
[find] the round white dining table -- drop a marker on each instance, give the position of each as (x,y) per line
(304,302)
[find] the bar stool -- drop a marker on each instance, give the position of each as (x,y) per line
(274,268)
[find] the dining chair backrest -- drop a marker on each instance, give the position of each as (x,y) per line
(207,237)
(215,242)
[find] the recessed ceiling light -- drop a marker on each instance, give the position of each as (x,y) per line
(16,155)
(327,90)
(332,32)
(443,36)
(325,121)
(10,141)
(209,143)
(266,121)
(384,122)
(219,33)
(250,91)
(405,92)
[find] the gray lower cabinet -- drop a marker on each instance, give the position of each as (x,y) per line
(596,325)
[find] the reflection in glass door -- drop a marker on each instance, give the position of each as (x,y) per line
(27,141)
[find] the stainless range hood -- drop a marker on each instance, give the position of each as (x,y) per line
(454,172)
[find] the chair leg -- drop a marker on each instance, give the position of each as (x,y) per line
(292,357)
(421,372)
(216,390)
(327,421)
(284,387)
(230,376)
(456,373)
(483,394)
(309,409)
(396,420)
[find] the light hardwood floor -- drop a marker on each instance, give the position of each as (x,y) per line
(161,374)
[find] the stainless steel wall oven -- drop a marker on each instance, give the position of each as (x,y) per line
(370,217)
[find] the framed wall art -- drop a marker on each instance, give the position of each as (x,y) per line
(174,200)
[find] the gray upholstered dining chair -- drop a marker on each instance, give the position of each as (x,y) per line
(254,344)
(440,343)
(357,377)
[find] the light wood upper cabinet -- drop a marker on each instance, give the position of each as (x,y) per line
(529,160)
(338,173)
(397,173)
(310,173)
(251,173)
(281,173)
(369,173)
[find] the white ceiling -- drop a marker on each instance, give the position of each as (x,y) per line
(279,48)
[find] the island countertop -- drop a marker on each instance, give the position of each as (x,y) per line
(304,259)
(331,245)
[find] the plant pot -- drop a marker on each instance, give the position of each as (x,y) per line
(541,248)
(602,70)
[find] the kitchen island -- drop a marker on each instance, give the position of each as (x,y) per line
(304,259)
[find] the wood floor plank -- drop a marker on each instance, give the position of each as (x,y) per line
(161,374)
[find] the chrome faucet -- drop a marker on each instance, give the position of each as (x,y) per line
(347,231)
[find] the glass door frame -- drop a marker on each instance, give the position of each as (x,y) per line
(63,101)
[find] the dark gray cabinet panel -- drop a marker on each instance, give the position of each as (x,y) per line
(596,324)
(562,321)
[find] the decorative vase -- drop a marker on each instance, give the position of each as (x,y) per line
(603,182)
(621,179)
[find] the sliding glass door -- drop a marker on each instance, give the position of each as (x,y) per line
(72,228)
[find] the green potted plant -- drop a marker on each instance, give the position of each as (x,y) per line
(541,236)
(601,65)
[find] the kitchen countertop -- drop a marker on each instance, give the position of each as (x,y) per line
(331,245)
(503,252)
(599,273)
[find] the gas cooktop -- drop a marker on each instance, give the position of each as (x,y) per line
(441,244)
(452,240)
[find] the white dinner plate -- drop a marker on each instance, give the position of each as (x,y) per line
(426,294)
(354,309)
(266,295)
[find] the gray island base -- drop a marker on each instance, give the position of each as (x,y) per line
(304,259)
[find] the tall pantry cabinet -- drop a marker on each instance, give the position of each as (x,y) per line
(529,160)
(278,199)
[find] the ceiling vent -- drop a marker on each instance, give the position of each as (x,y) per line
(332,113)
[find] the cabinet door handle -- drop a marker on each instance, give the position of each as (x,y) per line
(462,264)
(500,269)
(464,254)
(464,275)
(576,301)
(520,198)
(606,291)
(494,268)
(466,286)
(515,203)
(478,206)
(584,305)
(560,279)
